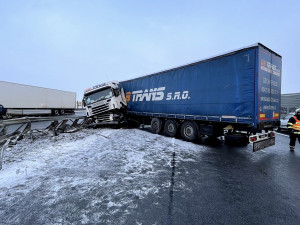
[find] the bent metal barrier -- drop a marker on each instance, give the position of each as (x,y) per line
(13,130)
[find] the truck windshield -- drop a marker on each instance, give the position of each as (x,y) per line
(97,96)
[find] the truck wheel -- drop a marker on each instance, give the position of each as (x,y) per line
(55,112)
(156,125)
(189,131)
(62,112)
(171,128)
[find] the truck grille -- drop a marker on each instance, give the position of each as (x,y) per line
(103,118)
(100,109)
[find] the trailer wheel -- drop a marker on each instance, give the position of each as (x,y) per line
(55,112)
(156,125)
(171,128)
(62,112)
(189,131)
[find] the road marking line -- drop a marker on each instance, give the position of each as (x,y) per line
(282,134)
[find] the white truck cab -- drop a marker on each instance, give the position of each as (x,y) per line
(105,103)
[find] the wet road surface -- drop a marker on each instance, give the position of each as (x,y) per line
(179,182)
(227,185)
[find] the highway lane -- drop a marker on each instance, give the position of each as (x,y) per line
(130,176)
(229,185)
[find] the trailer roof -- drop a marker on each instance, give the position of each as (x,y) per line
(36,86)
(211,58)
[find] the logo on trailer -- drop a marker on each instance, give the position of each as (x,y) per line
(269,67)
(128,95)
(155,94)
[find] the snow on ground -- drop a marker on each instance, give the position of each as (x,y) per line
(92,176)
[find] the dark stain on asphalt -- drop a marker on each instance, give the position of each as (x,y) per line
(170,211)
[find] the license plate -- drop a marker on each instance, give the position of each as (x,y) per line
(259,145)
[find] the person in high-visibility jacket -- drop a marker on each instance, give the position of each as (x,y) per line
(294,129)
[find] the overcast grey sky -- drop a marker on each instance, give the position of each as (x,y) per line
(72,45)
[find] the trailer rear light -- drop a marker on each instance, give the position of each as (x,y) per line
(272,134)
(275,115)
(252,139)
(262,116)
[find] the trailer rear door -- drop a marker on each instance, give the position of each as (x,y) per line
(269,86)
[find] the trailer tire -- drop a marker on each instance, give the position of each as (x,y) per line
(171,128)
(189,131)
(156,125)
(62,112)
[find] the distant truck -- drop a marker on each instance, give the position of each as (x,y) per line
(21,100)
(236,95)
(289,103)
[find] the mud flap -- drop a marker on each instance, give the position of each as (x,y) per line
(259,145)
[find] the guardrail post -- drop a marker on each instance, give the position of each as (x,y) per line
(3,131)
(4,147)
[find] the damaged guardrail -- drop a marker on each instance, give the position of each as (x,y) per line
(24,127)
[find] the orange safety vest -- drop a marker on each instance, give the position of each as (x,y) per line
(296,126)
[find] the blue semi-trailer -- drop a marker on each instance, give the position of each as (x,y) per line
(236,95)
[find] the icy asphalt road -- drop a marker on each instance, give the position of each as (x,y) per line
(111,176)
